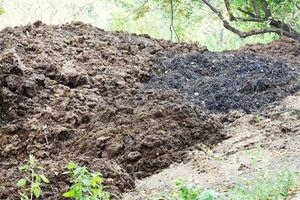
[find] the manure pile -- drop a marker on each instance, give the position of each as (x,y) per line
(283,49)
(226,81)
(119,103)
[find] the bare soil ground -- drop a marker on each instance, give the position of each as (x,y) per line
(127,105)
(267,143)
(284,49)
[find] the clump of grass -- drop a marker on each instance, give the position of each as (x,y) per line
(85,185)
(266,186)
(30,184)
(184,192)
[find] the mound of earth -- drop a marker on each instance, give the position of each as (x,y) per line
(285,48)
(227,81)
(74,93)
(119,103)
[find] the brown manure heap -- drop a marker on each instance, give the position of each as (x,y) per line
(118,103)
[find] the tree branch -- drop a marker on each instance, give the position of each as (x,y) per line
(242,34)
(246,12)
(136,10)
(251,19)
(272,22)
(172,28)
(255,8)
(214,10)
(228,8)
(266,8)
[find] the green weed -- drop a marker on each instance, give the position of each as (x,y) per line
(266,186)
(86,185)
(185,192)
(30,184)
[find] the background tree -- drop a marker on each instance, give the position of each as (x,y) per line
(243,17)
(277,16)
(1,9)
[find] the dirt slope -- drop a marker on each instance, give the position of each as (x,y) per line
(284,49)
(75,92)
(257,144)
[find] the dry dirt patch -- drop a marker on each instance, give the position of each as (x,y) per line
(270,143)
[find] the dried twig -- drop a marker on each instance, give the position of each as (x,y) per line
(172,28)
(280,112)
(45,134)
(136,10)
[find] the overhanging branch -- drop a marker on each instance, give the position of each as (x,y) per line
(228,8)
(255,8)
(172,28)
(266,9)
(246,12)
(272,22)
(136,10)
(243,34)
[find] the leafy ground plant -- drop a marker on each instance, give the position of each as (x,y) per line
(85,185)
(266,186)
(185,192)
(30,184)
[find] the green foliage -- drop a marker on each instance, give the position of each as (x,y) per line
(287,11)
(30,184)
(193,21)
(1,9)
(154,17)
(267,185)
(283,10)
(185,192)
(85,185)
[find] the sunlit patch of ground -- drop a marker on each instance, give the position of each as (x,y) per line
(257,144)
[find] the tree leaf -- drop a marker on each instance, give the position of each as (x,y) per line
(95,180)
(24,168)
(71,166)
(43,177)
(32,160)
(37,178)
(70,193)
(21,182)
(36,190)
(78,171)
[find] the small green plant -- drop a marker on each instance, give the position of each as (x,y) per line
(30,185)
(257,119)
(266,186)
(85,185)
(185,192)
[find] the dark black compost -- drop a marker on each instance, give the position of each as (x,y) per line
(226,81)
